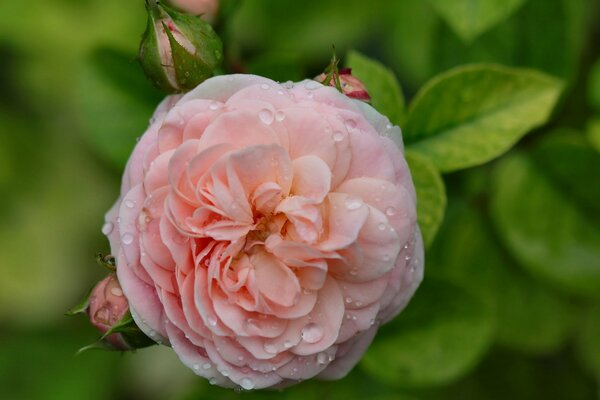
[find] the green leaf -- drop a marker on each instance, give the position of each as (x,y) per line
(472,114)
(381,83)
(593,89)
(544,228)
(530,317)
(593,133)
(588,343)
(431,195)
(470,18)
(82,306)
(116,102)
(441,335)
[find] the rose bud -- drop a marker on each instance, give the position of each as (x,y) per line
(350,85)
(178,51)
(266,230)
(207,9)
(108,310)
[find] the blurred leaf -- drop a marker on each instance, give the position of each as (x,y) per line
(568,159)
(543,227)
(594,86)
(470,18)
(593,133)
(475,113)
(116,102)
(509,375)
(411,29)
(440,336)
(381,83)
(530,317)
(431,195)
(559,29)
(588,343)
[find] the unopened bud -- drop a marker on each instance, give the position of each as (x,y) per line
(207,9)
(350,85)
(178,51)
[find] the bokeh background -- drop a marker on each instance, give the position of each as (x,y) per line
(510,307)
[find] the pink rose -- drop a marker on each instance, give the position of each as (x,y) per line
(206,8)
(266,230)
(107,306)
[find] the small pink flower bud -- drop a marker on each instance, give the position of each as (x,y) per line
(207,9)
(108,306)
(351,86)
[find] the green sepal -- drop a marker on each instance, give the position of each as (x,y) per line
(98,345)
(81,307)
(130,332)
(107,261)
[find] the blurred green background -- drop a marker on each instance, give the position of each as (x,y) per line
(510,306)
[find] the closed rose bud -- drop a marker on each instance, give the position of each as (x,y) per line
(108,306)
(178,51)
(351,86)
(207,9)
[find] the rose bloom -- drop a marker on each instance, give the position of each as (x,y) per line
(264,231)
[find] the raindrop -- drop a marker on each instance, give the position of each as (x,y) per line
(312,333)
(212,381)
(127,238)
(338,136)
(211,321)
(280,92)
(129,203)
(247,384)
(353,271)
(311,85)
(389,125)
(390,211)
(279,116)
(350,124)
(196,367)
(310,95)
(271,349)
(206,366)
(287,344)
(116,292)
(322,358)
(353,203)
(348,300)
(264,86)
(240,358)
(214,105)
(107,228)
(266,116)
(224,372)
(381,226)
(288,84)
(358,304)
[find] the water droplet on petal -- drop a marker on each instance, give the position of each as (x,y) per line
(129,203)
(196,367)
(348,300)
(390,211)
(279,116)
(312,333)
(211,321)
(247,384)
(353,203)
(381,226)
(107,228)
(212,381)
(338,136)
(127,238)
(386,257)
(240,358)
(264,86)
(287,344)
(322,358)
(116,292)
(206,366)
(389,125)
(280,92)
(266,116)
(214,105)
(311,85)
(224,372)
(350,124)
(269,348)
(353,271)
